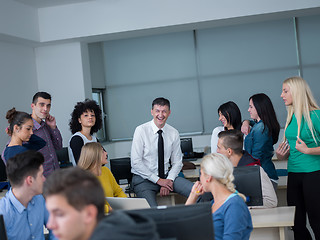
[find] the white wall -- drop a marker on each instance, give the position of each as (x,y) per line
(18,81)
(18,20)
(97,65)
(62,68)
(61,72)
(97,18)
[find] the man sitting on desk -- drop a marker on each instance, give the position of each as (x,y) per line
(155,146)
(230,144)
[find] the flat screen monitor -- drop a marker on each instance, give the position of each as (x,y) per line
(3,232)
(182,222)
(186,147)
(247,180)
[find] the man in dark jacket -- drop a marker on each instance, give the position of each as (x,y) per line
(75,201)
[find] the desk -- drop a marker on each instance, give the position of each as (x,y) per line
(198,162)
(270,223)
(192,174)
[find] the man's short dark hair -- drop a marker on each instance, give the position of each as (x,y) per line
(44,95)
(80,188)
(23,165)
(232,139)
(161,101)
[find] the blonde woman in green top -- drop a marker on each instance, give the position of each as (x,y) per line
(301,147)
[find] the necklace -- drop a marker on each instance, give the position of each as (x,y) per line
(218,204)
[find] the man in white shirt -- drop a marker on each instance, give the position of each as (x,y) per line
(149,178)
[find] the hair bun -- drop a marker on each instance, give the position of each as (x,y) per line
(11,114)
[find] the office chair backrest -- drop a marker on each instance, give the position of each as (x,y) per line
(3,173)
(63,157)
(3,232)
(121,169)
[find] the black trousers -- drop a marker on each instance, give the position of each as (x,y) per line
(303,192)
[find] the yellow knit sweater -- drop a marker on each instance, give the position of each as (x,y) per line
(110,186)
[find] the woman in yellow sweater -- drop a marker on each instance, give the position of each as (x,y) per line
(92,158)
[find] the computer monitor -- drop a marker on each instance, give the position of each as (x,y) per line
(3,232)
(186,147)
(182,222)
(247,180)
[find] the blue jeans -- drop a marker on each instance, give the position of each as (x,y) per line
(143,188)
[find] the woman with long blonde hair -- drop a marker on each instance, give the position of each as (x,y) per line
(231,217)
(92,157)
(301,146)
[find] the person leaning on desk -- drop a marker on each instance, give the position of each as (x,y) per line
(231,217)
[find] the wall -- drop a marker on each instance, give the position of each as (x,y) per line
(127,18)
(18,21)
(62,68)
(18,81)
(62,71)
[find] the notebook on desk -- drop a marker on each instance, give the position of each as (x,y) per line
(127,203)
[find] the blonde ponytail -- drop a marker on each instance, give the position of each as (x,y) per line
(219,167)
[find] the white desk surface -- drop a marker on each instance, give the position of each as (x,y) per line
(273,217)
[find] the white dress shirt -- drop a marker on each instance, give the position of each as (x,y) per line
(144,151)
(214,138)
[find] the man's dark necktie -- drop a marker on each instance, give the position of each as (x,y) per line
(160,155)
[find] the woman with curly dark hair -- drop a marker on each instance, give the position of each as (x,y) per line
(85,120)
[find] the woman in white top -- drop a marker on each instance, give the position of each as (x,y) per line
(85,121)
(230,117)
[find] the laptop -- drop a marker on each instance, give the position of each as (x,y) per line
(187,148)
(3,232)
(127,203)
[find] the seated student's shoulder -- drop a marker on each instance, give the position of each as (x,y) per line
(216,130)
(105,170)
(6,209)
(4,201)
(38,201)
(39,198)
(237,203)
